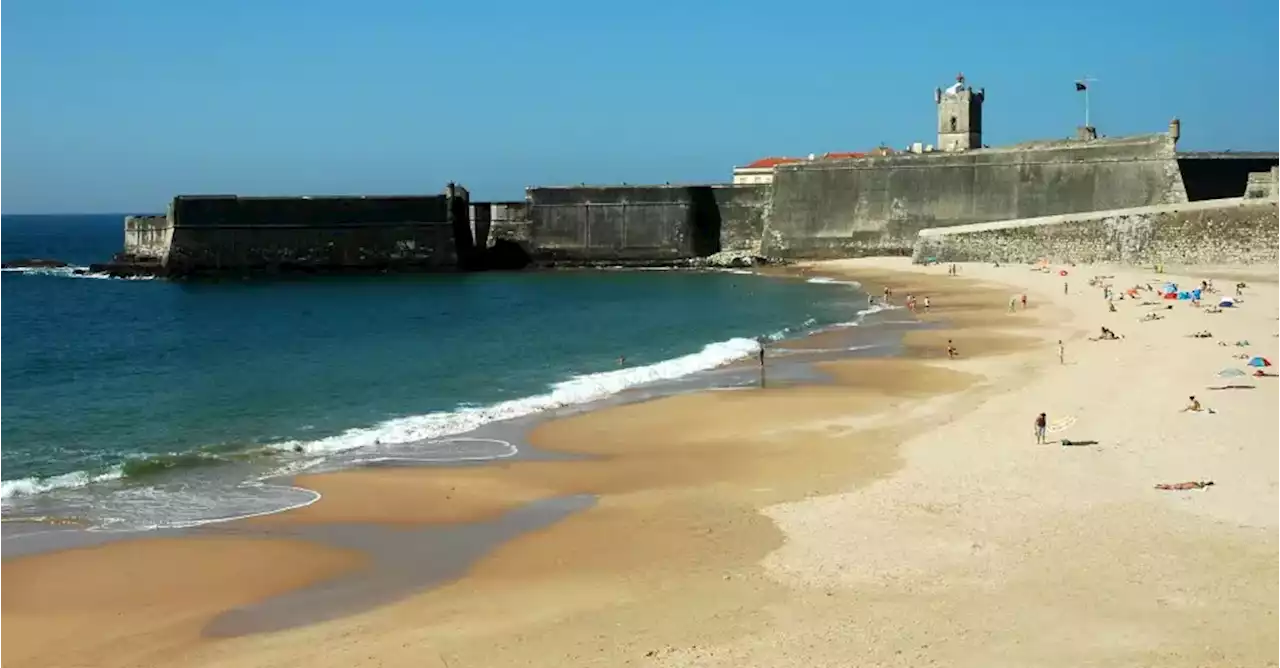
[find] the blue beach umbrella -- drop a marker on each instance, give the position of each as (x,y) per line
(1259,362)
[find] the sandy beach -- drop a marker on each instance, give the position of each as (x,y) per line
(900,515)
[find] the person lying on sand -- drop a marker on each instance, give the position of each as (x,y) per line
(1151,316)
(1213,309)
(1194,406)
(1202,334)
(1176,486)
(1107,335)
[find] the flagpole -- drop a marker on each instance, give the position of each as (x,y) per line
(1086,82)
(1086,106)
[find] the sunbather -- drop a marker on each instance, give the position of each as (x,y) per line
(1177,486)
(1107,335)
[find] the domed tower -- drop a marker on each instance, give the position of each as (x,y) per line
(959,116)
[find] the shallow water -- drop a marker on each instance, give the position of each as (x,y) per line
(133,404)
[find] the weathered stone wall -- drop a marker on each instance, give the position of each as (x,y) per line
(494,221)
(742,210)
(147,238)
(1263,185)
(1229,231)
(229,233)
(876,205)
(625,224)
(622,224)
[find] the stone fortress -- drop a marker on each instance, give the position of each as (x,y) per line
(1087,198)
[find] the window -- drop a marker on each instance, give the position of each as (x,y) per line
(953,123)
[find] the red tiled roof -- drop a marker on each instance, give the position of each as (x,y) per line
(772,162)
(840,155)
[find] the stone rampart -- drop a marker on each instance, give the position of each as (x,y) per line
(640,224)
(147,238)
(742,210)
(1262,185)
(229,233)
(877,205)
(1228,231)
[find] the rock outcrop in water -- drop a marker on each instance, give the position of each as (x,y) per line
(34,263)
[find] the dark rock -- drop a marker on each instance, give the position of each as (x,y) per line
(505,254)
(34,263)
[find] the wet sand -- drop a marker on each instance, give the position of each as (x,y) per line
(678,483)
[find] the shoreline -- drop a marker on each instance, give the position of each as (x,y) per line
(28,490)
(831,398)
(897,511)
(259,471)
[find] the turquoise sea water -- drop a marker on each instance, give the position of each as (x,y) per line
(150,403)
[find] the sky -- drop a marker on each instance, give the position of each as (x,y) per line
(116,106)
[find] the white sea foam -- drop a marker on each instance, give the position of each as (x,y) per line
(823,280)
(29,486)
(70,272)
(875,308)
(578,390)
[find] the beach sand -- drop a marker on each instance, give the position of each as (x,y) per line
(900,515)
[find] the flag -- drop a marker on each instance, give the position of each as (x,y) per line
(1080,86)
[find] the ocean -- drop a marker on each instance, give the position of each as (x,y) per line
(133,404)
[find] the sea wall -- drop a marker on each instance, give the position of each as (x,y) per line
(742,210)
(147,238)
(219,233)
(638,224)
(1263,184)
(876,205)
(1227,231)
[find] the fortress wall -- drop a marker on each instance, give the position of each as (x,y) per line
(216,233)
(742,210)
(621,224)
(147,237)
(876,205)
(1263,184)
(1227,231)
(494,221)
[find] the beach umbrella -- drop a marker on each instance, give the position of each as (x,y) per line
(1232,373)
(1259,362)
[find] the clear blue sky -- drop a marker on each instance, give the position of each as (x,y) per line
(116,105)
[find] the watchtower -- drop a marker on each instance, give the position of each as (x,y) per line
(959,116)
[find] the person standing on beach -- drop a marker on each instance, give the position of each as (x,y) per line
(951,350)
(1064,287)
(1024,301)
(926,303)
(1042,423)
(760,354)
(1062,353)
(1013,304)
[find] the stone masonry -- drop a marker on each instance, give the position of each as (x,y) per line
(1228,231)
